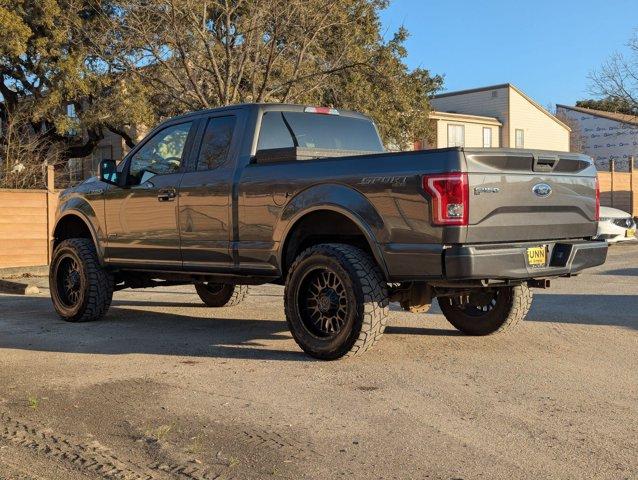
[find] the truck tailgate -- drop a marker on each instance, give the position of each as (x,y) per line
(527,195)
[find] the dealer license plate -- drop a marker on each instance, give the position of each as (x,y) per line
(537,256)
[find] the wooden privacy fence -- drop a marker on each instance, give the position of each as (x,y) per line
(620,189)
(26,224)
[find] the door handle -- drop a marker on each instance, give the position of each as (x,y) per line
(167,195)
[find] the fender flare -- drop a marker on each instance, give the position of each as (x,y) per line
(337,198)
(96,235)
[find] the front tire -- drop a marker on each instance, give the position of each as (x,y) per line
(81,290)
(487,311)
(336,301)
(221,294)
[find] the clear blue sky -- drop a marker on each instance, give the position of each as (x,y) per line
(546,48)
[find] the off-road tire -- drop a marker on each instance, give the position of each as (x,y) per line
(95,291)
(365,293)
(512,305)
(221,295)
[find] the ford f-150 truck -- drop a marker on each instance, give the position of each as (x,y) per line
(307,197)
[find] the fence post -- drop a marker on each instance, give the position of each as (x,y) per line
(612,170)
(632,186)
(51,205)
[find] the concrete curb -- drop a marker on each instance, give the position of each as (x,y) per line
(19,288)
(36,271)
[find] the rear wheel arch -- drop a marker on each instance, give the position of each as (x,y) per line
(327,224)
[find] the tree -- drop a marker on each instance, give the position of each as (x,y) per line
(24,153)
(576,136)
(609,104)
(193,54)
(617,81)
(47,63)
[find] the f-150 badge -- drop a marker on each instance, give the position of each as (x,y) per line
(479,190)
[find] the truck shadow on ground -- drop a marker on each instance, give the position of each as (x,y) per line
(625,272)
(30,323)
(585,309)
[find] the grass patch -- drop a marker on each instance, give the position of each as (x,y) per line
(160,433)
(33,402)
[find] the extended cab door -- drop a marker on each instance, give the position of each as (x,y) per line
(205,213)
(141,217)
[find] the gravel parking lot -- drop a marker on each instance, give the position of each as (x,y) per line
(166,388)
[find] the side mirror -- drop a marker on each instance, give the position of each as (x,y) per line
(108,172)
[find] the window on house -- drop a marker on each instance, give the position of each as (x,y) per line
(455,135)
(70,111)
(520,138)
(487,137)
(76,170)
(72,114)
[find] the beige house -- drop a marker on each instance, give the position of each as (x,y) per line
(458,130)
(512,119)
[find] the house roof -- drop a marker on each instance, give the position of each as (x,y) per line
(464,117)
(472,90)
(618,117)
(498,87)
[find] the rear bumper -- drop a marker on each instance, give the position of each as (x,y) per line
(503,262)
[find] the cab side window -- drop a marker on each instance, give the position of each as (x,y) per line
(161,155)
(216,142)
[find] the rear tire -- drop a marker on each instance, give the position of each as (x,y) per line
(488,311)
(81,289)
(336,301)
(221,294)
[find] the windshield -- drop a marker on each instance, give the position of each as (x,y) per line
(311,130)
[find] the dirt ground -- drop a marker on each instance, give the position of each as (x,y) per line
(164,388)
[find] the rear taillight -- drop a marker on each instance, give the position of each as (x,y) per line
(450,197)
(597,213)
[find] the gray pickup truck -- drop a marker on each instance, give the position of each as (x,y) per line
(307,197)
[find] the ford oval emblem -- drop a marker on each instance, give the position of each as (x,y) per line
(542,190)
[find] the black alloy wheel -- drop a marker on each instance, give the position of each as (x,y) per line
(336,301)
(70,282)
(323,303)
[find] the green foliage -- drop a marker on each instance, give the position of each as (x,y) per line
(610,104)
(47,61)
(33,402)
(160,433)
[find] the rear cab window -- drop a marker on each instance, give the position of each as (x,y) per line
(281,129)
(216,142)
